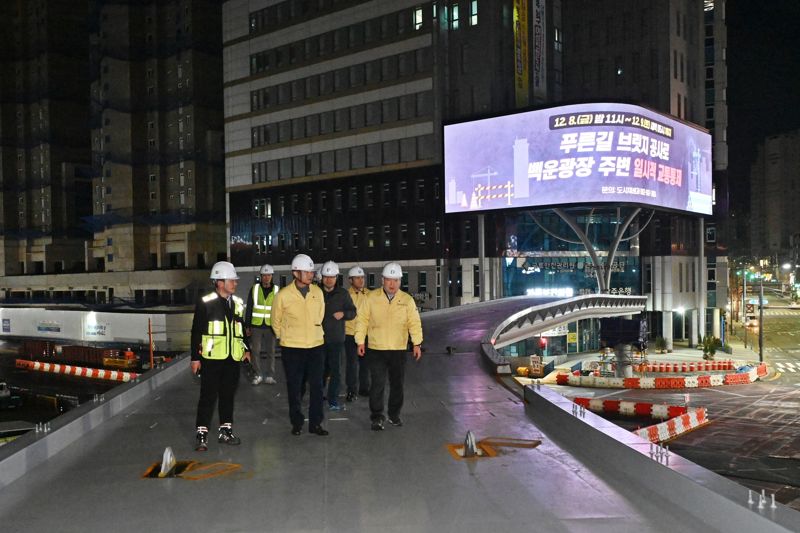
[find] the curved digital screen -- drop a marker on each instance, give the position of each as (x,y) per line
(577,154)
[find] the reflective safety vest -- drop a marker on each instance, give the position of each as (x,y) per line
(222,338)
(262,306)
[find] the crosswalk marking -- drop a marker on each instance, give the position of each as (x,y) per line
(780,312)
(786,367)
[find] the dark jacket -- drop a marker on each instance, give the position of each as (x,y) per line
(337,300)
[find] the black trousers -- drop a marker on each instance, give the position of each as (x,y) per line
(356,372)
(301,364)
(219,378)
(381,363)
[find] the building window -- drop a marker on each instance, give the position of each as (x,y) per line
(417,18)
(454,16)
(422,281)
(437,232)
(558,39)
(467,234)
(337,199)
(368,196)
(370,237)
(387,236)
(339,239)
(386,194)
(371,280)
(324,239)
(352,202)
(422,233)
(353,237)
(476,280)
(281,242)
(404,282)
(403,234)
(473,13)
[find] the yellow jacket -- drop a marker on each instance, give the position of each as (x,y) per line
(358,298)
(386,323)
(297,321)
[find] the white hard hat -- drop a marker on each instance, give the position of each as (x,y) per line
(355,271)
(223,270)
(266,269)
(303,263)
(392,271)
(330,269)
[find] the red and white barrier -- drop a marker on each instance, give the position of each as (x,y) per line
(680,382)
(679,418)
(79,371)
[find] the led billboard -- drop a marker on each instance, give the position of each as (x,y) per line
(597,153)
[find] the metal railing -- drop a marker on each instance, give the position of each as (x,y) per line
(540,318)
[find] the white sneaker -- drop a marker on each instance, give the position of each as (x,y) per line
(270,381)
(257,380)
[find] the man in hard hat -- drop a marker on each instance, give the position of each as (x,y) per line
(339,308)
(356,373)
(218,346)
(297,313)
(388,318)
(259,325)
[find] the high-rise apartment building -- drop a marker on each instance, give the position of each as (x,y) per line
(111,131)
(774,195)
(156,135)
(44,149)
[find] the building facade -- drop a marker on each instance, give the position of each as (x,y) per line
(44,153)
(139,147)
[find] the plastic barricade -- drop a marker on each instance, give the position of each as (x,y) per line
(575,381)
(600,382)
(596,405)
(659,411)
(690,381)
(643,409)
(647,383)
(676,410)
(630,383)
(663,383)
(611,406)
(703,381)
(616,383)
(562,379)
(627,408)
(583,402)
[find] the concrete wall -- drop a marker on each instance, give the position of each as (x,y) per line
(170,331)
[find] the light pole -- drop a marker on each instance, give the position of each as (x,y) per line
(761,320)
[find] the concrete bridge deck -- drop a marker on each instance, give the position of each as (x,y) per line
(399,480)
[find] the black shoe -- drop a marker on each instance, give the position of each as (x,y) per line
(202,441)
(396,421)
(226,436)
(297,430)
(351,397)
(377,425)
(319,430)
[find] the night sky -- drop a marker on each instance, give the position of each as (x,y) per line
(763,81)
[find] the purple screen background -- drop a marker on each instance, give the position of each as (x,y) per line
(484,169)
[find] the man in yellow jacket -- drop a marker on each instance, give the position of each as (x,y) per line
(297,314)
(389,317)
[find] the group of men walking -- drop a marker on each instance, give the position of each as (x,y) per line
(314,325)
